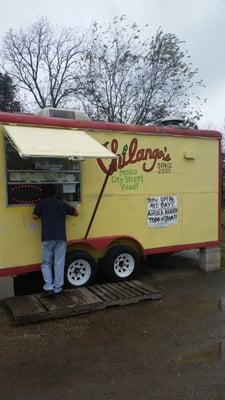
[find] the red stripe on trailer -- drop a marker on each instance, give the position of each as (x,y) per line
(19,270)
(220,192)
(173,249)
(27,119)
(24,269)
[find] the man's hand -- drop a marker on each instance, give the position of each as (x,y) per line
(35,216)
(75,212)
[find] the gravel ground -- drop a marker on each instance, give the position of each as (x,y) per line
(168,349)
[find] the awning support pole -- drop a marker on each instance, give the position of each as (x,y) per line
(98,201)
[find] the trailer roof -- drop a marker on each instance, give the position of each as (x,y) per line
(29,119)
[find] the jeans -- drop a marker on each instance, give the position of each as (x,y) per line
(53,254)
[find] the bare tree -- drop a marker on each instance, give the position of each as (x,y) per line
(116,72)
(42,61)
(128,78)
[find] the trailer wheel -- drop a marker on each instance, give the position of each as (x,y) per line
(80,269)
(121,263)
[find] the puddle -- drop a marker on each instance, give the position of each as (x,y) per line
(222,350)
(222,303)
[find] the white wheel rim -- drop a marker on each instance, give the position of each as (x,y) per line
(78,272)
(124,265)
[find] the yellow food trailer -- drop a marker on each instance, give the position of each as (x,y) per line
(140,190)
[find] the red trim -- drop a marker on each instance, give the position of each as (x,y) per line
(220,192)
(20,270)
(98,242)
(26,119)
(171,249)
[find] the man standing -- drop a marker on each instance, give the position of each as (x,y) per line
(52,212)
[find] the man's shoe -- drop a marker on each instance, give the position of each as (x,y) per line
(49,293)
(58,293)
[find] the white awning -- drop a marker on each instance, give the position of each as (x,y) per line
(51,142)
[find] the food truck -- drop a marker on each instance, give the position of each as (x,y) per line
(139,190)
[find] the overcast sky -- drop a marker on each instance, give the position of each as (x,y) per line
(200,23)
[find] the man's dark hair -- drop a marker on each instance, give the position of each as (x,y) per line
(50,190)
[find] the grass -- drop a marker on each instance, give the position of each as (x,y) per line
(223,241)
(222,260)
(223,225)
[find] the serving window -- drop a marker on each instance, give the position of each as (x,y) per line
(27,177)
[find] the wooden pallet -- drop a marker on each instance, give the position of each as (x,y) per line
(38,307)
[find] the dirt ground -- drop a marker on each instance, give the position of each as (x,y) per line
(168,349)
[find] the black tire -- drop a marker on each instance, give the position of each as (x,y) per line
(80,269)
(121,263)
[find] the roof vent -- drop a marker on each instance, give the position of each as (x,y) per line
(63,113)
(173,121)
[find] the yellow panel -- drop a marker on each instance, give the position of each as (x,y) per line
(194,181)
